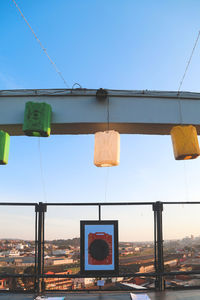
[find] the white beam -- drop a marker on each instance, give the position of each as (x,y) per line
(78,111)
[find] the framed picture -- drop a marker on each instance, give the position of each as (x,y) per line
(99,247)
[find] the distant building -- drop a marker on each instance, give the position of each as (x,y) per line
(13,253)
(4,284)
(146,269)
(61,252)
(137,249)
(81,283)
(58,283)
(49,261)
(19,247)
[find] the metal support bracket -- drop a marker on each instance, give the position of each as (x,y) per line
(41,207)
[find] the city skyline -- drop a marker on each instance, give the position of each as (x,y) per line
(64,222)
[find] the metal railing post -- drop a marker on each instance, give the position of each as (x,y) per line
(99,212)
(41,208)
(158,246)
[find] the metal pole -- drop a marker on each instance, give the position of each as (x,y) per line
(36,249)
(159,263)
(40,209)
(99,212)
(155,241)
(43,284)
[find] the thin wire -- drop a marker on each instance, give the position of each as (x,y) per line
(188,63)
(76,83)
(106,183)
(107,171)
(42,173)
(108,114)
(41,45)
(186,182)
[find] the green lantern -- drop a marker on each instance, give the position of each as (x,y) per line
(37,119)
(4,147)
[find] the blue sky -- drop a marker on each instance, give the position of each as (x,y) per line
(112,44)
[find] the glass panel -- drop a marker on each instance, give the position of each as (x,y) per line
(129,283)
(62,237)
(62,245)
(16,284)
(136,234)
(17,240)
(58,283)
(182,281)
(109,283)
(181,225)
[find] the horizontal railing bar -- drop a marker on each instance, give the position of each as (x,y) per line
(94,204)
(126,289)
(179,288)
(12,291)
(18,204)
(102,275)
(180,273)
(3,275)
(98,203)
(76,275)
(154,274)
(184,202)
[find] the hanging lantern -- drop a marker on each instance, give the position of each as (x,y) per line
(185,142)
(4,147)
(37,119)
(107,148)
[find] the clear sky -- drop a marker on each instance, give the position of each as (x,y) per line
(113,44)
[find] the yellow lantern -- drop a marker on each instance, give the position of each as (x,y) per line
(107,148)
(185,142)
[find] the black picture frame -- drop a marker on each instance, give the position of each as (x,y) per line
(114,270)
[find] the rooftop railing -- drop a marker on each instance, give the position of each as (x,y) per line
(159,265)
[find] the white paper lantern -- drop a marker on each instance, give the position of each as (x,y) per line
(107,148)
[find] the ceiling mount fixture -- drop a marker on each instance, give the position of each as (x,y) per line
(101,94)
